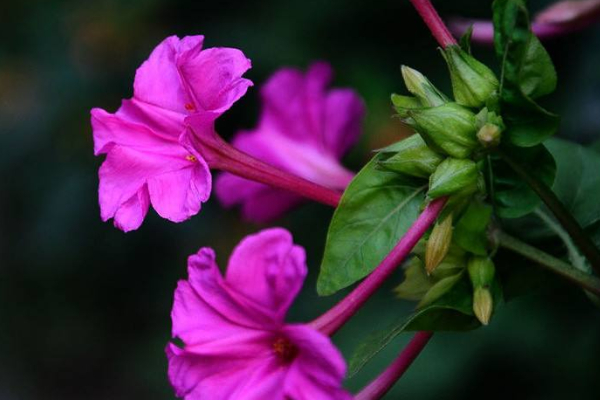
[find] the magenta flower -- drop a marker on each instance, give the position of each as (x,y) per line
(236,343)
(145,162)
(304,129)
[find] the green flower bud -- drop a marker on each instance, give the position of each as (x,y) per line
(472,81)
(453,176)
(449,128)
(489,135)
(413,158)
(481,271)
(417,84)
(438,244)
(490,128)
(403,104)
(440,288)
(483,305)
(416,282)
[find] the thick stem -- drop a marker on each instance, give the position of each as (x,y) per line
(221,155)
(337,316)
(384,382)
(564,217)
(545,260)
(433,21)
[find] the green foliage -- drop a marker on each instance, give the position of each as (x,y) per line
(577,185)
(376,210)
(512,197)
(527,74)
(470,232)
(452,312)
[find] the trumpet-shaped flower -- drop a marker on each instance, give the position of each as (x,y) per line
(145,163)
(236,343)
(304,129)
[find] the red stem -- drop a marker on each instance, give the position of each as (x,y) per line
(384,382)
(337,316)
(433,21)
(221,155)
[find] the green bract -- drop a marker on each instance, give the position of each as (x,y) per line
(413,158)
(449,127)
(472,82)
(417,84)
(453,176)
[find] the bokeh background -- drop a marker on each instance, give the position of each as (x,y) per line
(84,308)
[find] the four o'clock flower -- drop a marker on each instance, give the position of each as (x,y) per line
(236,345)
(145,163)
(304,129)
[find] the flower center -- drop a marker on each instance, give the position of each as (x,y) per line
(191,158)
(189,107)
(285,350)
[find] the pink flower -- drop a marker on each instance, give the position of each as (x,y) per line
(236,343)
(304,129)
(145,162)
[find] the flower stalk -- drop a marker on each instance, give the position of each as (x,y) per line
(433,21)
(384,382)
(339,314)
(221,155)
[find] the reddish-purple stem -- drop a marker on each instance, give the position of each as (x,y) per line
(221,155)
(433,21)
(337,316)
(384,382)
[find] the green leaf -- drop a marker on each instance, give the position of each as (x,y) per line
(527,73)
(470,232)
(376,210)
(527,69)
(577,185)
(452,312)
(527,125)
(512,197)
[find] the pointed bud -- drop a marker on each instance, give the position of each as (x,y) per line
(413,157)
(438,244)
(481,271)
(472,81)
(417,84)
(489,135)
(483,305)
(453,176)
(449,128)
(403,104)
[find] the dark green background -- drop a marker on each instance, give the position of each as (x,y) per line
(84,308)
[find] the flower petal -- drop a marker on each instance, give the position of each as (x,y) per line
(213,77)
(137,125)
(294,103)
(318,370)
(130,215)
(178,195)
(158,80)
(126,171)
(344,112)
(196,377)
(260,203)
(206,310)
(268,268)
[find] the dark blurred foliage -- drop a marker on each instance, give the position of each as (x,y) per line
(84,308)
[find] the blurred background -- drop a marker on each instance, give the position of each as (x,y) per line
(84,308)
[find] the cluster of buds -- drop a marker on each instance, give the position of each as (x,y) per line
(452,136)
